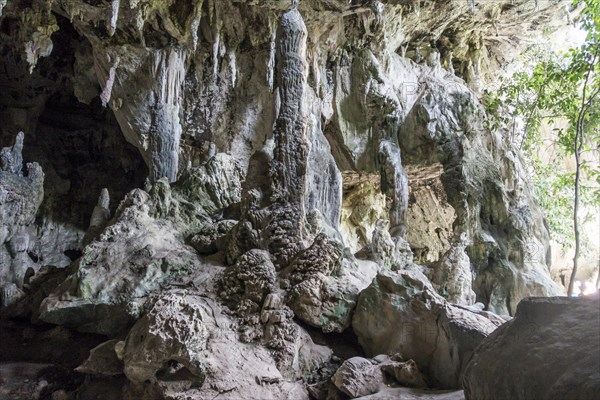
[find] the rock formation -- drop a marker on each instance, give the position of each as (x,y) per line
(552,347)
(20,198)
(401,313)
(285,189)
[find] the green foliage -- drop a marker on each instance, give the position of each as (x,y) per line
(554,192)
(553,88)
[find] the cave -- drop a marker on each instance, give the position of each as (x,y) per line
(296,199)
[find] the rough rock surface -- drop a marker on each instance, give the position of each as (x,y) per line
(134,256)
(552,348)
(216,77)
(358,377)
(328,301)
(452,277)
(185,346)
(400,312)
(263,165)
(20,197)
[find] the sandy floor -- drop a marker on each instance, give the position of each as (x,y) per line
(415,394)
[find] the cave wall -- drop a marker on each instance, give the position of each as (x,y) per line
(109,93)
(226,180)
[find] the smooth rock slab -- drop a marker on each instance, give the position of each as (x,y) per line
(549,351)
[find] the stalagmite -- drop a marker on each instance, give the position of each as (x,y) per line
(288,168)
(11,158)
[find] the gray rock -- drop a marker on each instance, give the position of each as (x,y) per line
(211,238)
(453,278)
(11,158)
(400,312)
(251,278)
(406,373)
(103,360)
(328,301)
(552,348)
(185,346)
(358,377)
(20,197)
(100,216)
(134,256)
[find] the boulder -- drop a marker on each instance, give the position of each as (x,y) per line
(104,360)
(400,312)
(358,377)
(405,373)
(552,348)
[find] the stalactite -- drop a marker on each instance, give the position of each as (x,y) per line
(195,23)
(165,130)
(110,81)
(216,27)
(232,67)
(2,5)
(271,62)
(114,17)
(378,9)
(394,183)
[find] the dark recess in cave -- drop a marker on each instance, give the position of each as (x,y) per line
(80,147)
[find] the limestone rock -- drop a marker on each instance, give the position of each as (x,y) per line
(213,186)
(185,346)
(552,347)
(391,253)
(20,197)
(429,215)
(363,205)
(100,216)
(282,141)
(453,277)
(130,259)
(103,360)
(251,278)
(406,373)
(506,221)
(400,312)
(175,331)
(211,238)
(328,301)
(358,377)
(11,158)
